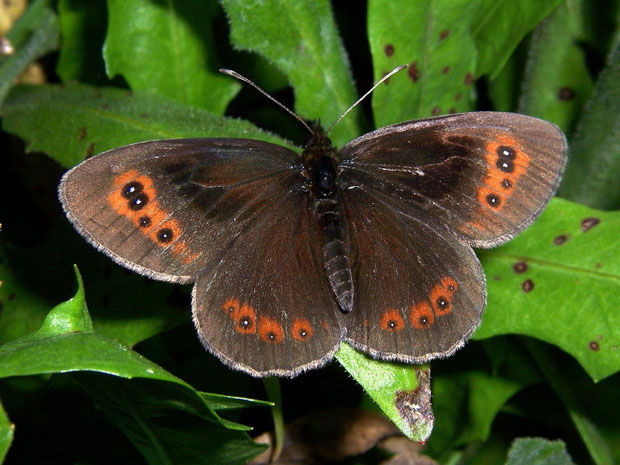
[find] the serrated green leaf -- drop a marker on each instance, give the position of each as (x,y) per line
(34,35)
(73,122)
(304,44)
(538,451)
(82,31)
(434,38)
(401,391)
(501,25)
(593,169)
(560,282)
(66,342)
(557,83)
(167,48)
(7,430)
(169,424)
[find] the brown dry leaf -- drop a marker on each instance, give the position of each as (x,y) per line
(328,436)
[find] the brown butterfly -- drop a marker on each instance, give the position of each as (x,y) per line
(290,256)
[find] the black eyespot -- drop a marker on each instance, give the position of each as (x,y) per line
(506,183)
(494,200)
(271,336)
(303,333)
(164,235)
(450,287)
(442,303)
(505,152)
(138,202)
(423,321)
(245,322)
(144,222)
(505,165)
(132,188)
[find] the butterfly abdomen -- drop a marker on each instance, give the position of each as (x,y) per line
(320,165)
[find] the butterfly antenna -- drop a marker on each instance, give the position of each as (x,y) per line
(236,75)
(383,79)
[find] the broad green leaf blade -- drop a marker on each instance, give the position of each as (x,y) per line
(593,170)
(538,451)
(559,282)
(557,83)
(501,25)
(168,424)
(167,48)
(32,36)
(7,430)
(434,38)
(82,31)
(73,122)
(302,40)
(401,391)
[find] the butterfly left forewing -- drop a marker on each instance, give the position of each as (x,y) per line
(486,175)
(167,208)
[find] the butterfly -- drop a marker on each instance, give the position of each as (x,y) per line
(290,256)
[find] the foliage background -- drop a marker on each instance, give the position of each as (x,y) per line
(127,369)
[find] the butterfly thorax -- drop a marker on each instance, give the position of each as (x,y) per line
(319,160)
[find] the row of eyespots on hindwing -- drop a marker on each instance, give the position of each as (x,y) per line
(134,197)
(269,330)
(422,314)
(506,163)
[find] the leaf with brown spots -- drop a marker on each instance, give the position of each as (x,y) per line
(565,294)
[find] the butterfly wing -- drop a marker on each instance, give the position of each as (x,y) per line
(166,208)
(487,175)
(417,195)
(231,216)
(267,308)
(419,291)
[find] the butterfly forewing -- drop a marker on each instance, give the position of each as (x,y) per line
(419,291)
(486,175)
(166,208)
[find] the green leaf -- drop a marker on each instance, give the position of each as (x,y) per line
(434,38)
(73,122)
(32,36)
(222,402)
(500,26)
(559,282)
(82,31)
(169,51)
(169,424)
(304,44)
(7,430)
(594,160)
(538,451)
(66,342)
(401,391)
(557,83)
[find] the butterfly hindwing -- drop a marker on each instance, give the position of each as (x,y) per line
(166,208)
(419,291)
(486,175)
(267,308)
